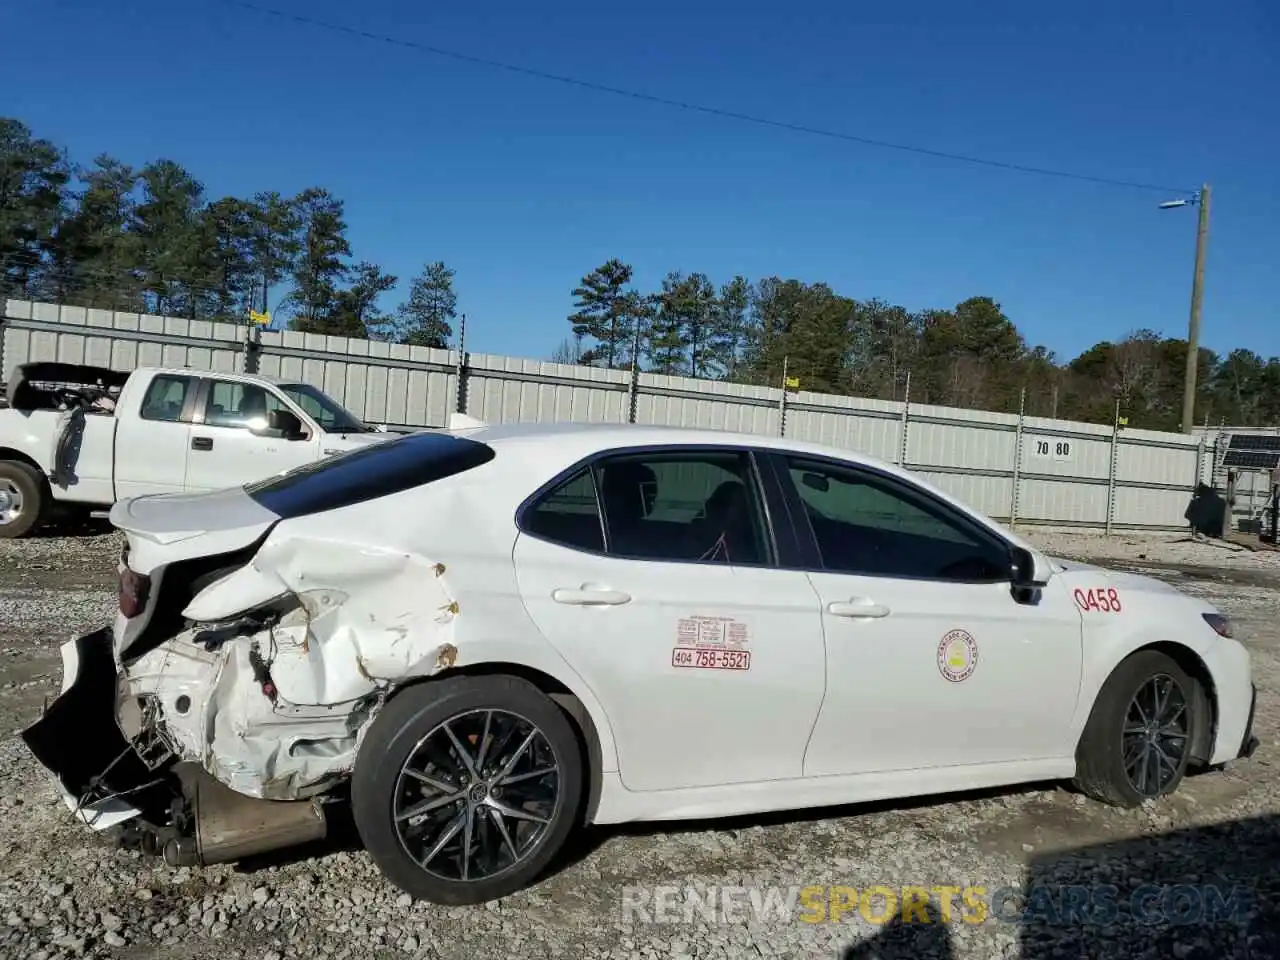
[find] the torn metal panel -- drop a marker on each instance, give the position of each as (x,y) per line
(289,658)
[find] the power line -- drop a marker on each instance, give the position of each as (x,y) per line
(697,107)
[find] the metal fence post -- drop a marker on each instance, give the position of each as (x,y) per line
(1275,514)
(633,395)
(1111,470)
(903,422)
(633,390)
(782,402)
(252,347)
(460,373)
(1017,460)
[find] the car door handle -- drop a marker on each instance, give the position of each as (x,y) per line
(586,596)
(857,608)
(202,443)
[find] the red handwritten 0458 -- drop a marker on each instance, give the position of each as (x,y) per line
(1103,601)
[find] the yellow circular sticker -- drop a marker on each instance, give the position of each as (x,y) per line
(957,655)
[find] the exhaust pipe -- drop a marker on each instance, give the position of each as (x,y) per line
(230,826)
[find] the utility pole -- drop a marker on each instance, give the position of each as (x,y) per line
(1193,327)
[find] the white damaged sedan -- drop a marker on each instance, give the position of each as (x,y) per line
(485,638)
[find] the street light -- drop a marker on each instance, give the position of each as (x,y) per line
(1201,200)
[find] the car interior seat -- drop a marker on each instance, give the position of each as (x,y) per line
(252,406)
(627,492)
(726,532)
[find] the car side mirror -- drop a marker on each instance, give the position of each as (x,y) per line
(282,425)
(1029,569)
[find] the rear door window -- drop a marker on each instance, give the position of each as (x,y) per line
(568,515)
(696,506)
(166,397)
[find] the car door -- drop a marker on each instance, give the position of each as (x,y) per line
(653,573)
(931,661)
(224,452)
(151,442)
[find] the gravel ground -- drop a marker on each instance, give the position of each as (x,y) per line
(64,893)
(1168,550)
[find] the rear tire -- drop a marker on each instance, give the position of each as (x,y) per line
(1137,742)
(464,828)
(22,499)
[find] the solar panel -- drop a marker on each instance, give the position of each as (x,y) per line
(1254,441)
(1252,459)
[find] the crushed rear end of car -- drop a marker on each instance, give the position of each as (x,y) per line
(223,710)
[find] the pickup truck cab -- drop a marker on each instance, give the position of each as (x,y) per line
(82,437)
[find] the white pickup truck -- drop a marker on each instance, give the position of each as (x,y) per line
(81,437)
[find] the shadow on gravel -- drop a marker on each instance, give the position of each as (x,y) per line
(906,941)
(1208,892)
(1198,894)
(342,836)
(584,843)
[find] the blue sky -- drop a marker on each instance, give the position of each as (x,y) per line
(524,185)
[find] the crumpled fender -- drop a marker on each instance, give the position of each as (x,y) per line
(67,436)
(276,710)
(276,706)
(365,617)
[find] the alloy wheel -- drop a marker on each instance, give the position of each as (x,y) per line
(475,796)
(1156,735)
(10,501)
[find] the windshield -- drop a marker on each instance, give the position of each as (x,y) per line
(324,409)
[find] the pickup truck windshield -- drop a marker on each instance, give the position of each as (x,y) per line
(324,409)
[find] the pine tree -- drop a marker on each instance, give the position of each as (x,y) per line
(33,181)
(604,313)
(426,318)
(274,243)
(319,267)
(167,224)
(355,310)
(727,336)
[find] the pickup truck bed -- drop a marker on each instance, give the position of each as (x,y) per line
(85,437)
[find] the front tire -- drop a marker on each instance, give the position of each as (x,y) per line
(22,499)
(466,788)
(1137,742)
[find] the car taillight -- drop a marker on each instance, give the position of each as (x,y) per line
(134,588)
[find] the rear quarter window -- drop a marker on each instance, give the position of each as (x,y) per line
(378,470)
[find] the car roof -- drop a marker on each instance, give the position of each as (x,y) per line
(541,451)
(220,374)
(567,442)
